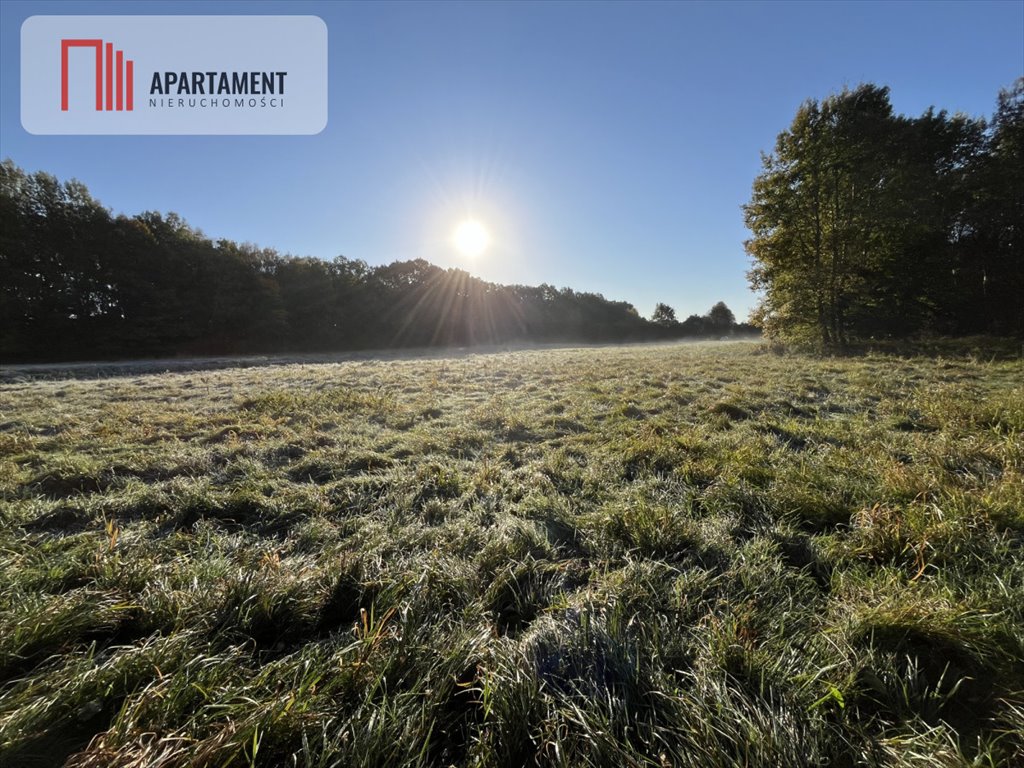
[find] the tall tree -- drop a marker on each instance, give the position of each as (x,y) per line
(818,214)
(664,315)
(997,262)
(720,317)
(865,223)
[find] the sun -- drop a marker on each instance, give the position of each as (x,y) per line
(471,238)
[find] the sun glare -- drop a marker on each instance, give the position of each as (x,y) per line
(471,238)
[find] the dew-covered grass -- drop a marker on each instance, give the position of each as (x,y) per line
(681,555)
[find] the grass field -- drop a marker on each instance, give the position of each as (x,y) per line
(702,555)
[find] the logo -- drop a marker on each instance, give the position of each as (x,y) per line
(123,73)
(226,75)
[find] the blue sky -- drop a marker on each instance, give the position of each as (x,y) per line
(607,146)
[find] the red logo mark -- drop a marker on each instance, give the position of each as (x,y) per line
(119,98)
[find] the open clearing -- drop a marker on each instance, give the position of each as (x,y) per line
(701,555)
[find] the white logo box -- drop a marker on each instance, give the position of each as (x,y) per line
(226,75)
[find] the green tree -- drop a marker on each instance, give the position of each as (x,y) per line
(865,223)
(818,214)
(929,162)
(56,288)
(991,264)
(720,317)
(664,315)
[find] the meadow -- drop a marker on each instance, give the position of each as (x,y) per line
(675,555)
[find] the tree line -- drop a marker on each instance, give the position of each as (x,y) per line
(78,282)
(867,224)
